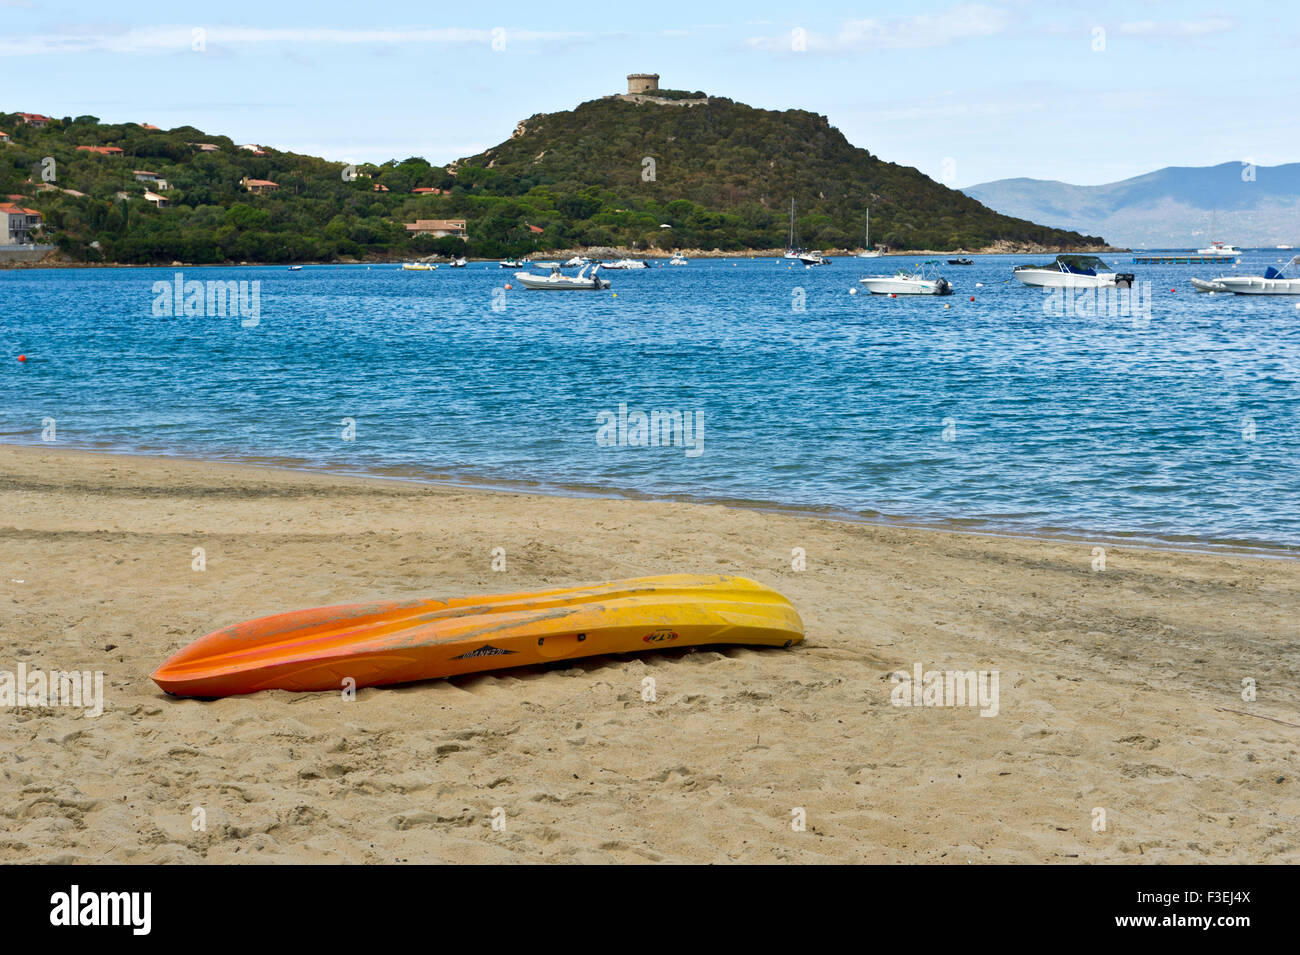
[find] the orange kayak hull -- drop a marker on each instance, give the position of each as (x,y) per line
(356,645)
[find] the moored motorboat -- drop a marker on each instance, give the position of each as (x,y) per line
(558,281)
(678,259)
(1272,282)
(626,264)
(1208,285)
(576,262)
(458,263)
(920,281)
(419,266)
(961,261)
(1073,271)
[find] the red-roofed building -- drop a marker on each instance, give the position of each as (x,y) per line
(18,223)
(4,137)
(34,119)
(380,187)
(536,229)
(102,150)
(259,187)
(253,148)
(426,191)
(151,127)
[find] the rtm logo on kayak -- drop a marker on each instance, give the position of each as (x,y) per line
(659,636)
(102,908)
(487,650)
(656,429)
(946,688)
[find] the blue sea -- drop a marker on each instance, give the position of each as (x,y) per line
(1008,411)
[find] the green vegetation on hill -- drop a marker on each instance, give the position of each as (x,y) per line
(723,177)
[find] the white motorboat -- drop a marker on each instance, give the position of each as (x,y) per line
(1219,250)
(867,251)
(678,259)
(577,262)
(1208,285)
(557,280)
(458,263)
(919,281)
(1073,271)
(419,266)
(626,264)
(1272,282)
(513,263)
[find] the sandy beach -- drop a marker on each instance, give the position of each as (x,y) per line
(1120,689)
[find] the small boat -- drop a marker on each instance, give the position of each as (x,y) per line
(295,268)
(1208,285)
(1219,250)
(962,261)
(558,281)
(867,251)
(1073,271)
(1272,282)
(458,263)
(576,262)
(626,264)
(419,266)
(796,254)
(1284,248)
(920,281)
(513,263)
(380,643)
(678,259)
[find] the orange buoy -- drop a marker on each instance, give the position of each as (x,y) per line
(507,286)
(972,298)
(893,295)
(22,357)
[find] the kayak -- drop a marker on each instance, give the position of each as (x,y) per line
(372,644)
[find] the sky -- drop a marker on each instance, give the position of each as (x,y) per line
(965,92)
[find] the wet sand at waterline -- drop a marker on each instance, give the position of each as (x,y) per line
(1119,690)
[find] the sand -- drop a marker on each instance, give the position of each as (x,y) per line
(1119,690)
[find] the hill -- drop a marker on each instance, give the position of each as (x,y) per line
(1168,208)
(723,176)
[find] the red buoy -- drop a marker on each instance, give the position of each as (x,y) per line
(22,357)
(507,286)
(972,298)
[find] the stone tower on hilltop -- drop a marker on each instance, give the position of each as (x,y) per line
(642,83)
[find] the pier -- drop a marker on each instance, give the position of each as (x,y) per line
(1191,259)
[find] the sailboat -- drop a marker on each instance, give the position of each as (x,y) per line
(801,255)
(867,251)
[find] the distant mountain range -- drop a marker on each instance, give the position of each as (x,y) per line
(1170,208)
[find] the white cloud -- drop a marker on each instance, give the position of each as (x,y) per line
(897,33)
(172,39)
(1177,28)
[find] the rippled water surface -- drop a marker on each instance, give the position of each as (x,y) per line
(990,412)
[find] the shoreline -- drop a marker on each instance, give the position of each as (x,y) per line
(1120,689)
(1188,544)
(604,252)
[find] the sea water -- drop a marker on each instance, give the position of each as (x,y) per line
(1016,411)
